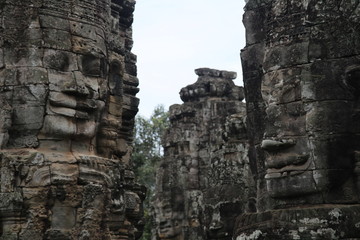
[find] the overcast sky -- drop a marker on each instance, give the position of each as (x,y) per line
(172,38)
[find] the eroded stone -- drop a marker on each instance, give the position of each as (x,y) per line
(302,119)
(203,183)
(61,97)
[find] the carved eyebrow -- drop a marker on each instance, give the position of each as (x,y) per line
(352,68)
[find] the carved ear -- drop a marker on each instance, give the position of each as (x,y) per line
(357,168)
(115,80)
(5,121)
(353,79)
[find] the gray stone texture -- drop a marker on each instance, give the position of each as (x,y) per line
(301,79)
(203,182)
(67,106)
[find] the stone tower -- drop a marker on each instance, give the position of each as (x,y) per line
(67,106)
(301,69)
(202,183)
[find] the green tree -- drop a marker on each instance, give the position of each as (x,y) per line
(147,153)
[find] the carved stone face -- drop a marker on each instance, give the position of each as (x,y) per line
(67,84)
(62,72)
(170,221)
(75,101)
(222,220)
(307,128)
(308,141)
(79,86)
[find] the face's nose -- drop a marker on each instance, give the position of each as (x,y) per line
(70,83)
(76,87)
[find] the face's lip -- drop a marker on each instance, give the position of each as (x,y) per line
(165,229)
(281,160)
(288,170)
(70,112)
(71,106)
(218,233)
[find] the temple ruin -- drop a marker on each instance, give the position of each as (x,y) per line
(301,79)
(284,164)
(67,96)
(203,183)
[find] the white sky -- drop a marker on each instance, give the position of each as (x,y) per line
(174,37)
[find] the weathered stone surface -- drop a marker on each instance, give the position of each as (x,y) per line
(203,183)
(318,222)
(301,80)
(70,193)
(67,105)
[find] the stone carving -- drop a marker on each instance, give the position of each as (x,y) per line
(67,106)
(203,182)
(301,76)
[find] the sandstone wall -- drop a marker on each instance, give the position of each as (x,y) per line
(203,182)
(301,80)
(67,106)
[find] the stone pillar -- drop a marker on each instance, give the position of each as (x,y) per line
(202,183)
(67,106)
(301,78)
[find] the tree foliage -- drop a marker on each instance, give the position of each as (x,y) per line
(147,144)
(147,153)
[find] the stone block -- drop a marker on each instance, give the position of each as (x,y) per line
(27,117)
(52,22)
(31,234)
(130,80)
(288,85)
(2,58)
(86,30)
(57,39)
(37,176)
(58,234)
(60,60)
(62,81)
(10,200)
(321,80)
(252,58)
(115,109)
(38,196)
(253,22)
(57,126)
(282,56)
(32,75)
(32,95)
(86,129)
(63,217)
(23,57)
(62,173)
(90,82)
(82,45)
(94,174)
(8,77)
(323,120)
